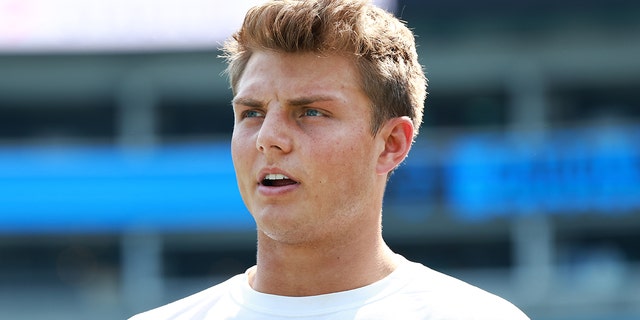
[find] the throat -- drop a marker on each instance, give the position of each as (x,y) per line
(295,270)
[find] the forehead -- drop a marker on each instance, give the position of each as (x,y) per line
(299,72)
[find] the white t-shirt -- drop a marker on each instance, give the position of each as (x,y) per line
(412,291)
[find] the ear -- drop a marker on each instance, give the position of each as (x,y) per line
(397,136)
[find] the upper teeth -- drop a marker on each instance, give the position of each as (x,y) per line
(275,176)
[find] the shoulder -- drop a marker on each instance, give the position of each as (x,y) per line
(451,298)
(193,306)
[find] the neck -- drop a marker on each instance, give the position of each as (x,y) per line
(320,268)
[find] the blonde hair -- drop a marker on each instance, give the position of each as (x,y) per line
(382,46)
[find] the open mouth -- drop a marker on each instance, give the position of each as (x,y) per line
(276,180)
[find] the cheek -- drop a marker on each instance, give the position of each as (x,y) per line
(241,154)
(236,156)
(345,161)
(241,143)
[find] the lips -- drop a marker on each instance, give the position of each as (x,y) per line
(276,180)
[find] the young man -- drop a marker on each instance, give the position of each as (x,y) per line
(328,97)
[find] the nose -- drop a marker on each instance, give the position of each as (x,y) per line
(274,134)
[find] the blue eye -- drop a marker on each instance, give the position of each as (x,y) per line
(251,114)
(312,113)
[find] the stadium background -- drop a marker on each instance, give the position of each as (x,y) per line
(117,193)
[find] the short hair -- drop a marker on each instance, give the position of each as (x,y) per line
(382,46)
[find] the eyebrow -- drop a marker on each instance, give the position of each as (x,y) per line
(296,102)
(253,103)
(309,100)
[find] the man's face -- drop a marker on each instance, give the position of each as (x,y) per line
(302,148)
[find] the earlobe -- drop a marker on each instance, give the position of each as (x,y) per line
(397,135)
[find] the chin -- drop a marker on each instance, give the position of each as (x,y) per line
(291,234)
